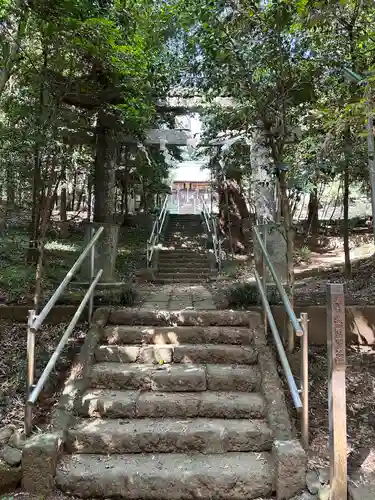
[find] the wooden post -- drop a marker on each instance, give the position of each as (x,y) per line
(336,390)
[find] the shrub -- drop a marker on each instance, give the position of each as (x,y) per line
(243,295)
(119,296)
(302,254)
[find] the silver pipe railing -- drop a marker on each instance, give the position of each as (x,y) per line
(283,295)
(300,396)
(212,231)
(35,322)
(279,345)
(157,229)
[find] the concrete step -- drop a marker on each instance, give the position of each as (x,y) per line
(178,245)
(194,263)
(182,277)
(191,273)
(184,266)
(135,404)
(168,435)
(178,259)
(178,335)
(171,256)
(228,476)
(176,281)
(182,252)
(185,270)
(184,217)
(170,353)
(175,377)
(130,316)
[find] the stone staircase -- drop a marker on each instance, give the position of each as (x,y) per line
(178,406)
(184,258)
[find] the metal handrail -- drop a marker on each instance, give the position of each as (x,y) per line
(211,231)
(279,345)
(36,321)
(157,229)
(284,297)
(301,328)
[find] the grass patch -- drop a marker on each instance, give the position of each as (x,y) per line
(242,296)
(17,278)
(246,295)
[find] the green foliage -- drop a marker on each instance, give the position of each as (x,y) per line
(243,296)
(125,296)
(302,254)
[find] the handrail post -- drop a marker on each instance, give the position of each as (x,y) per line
(305,380)
(264,280)
(219,240)
(30,352)
(92,276)
(30,369)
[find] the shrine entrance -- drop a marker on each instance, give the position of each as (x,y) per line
(188,197)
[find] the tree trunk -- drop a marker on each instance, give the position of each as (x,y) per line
(263,179)
(89,196)
(313,214)
(348,266)
(14,47)
(74,188)
(104,172)
(79,200)
(290,250)
(64,230)
(37,173)
(35,212)
(10,186)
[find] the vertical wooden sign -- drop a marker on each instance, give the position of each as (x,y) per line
(337,389)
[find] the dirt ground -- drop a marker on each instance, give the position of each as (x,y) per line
(13,369)
(360,394)
(320,266)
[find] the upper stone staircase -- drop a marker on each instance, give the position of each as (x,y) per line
(180,406)
(184,258)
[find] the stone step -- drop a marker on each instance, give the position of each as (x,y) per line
(129,316)
(228,476)
(178,335)
(171,256)
(177,245)
(136,404)
(171,353)
(176,281)
(170,274)
(184,266)
(182,252)
(175,377)
(181,259)
(185,270)
(168,435)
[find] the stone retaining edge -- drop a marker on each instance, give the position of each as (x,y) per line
(187,317)
(290,458)
(41,452)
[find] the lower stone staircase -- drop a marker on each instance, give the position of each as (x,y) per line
(180,405)
(184,258)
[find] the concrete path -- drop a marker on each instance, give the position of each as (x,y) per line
(177,297)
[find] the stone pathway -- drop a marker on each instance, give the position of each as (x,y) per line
(177,297)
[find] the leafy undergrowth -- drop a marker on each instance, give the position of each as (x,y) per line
(13,368)
(360,394)
(310,283)
(17,278)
